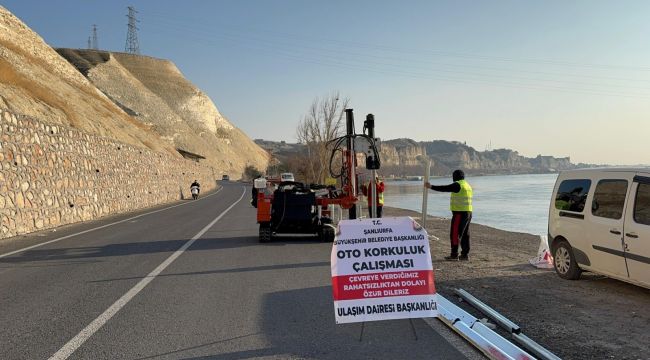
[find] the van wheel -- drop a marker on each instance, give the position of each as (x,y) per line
(564,262)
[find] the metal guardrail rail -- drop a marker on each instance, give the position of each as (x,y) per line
(491,344)
(531,346)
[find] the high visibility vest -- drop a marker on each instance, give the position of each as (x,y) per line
(462,200)
(380,197)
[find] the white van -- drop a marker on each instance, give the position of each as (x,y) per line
(599,221)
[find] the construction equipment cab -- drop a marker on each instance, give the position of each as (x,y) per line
(599,221)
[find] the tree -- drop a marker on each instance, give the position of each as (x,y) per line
(322,123)
(251,172)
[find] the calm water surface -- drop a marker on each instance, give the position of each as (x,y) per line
(509,202)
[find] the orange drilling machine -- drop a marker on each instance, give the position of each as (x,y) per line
(294,209)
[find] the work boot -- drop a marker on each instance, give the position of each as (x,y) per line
(452,257)
(463,257)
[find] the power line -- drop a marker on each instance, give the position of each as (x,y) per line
(327,59)
(457,68)
(132,45)
(402,50)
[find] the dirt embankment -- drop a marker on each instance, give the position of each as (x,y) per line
(156,93)
(36,81)
(592,318)
(134,99)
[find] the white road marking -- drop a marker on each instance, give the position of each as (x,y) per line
(101,227)
(72,345)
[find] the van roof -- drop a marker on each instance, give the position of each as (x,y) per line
(609,169)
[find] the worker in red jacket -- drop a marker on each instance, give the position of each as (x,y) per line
(365,188)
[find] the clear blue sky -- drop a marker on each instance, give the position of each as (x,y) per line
(562,78)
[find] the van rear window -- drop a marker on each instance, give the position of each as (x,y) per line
(572,195)
(642,205)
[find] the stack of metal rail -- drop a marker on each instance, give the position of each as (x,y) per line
(489,342)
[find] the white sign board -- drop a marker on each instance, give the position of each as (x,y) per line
(381,270)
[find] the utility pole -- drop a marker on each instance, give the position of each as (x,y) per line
(89,44)
(95,43)
(132,45)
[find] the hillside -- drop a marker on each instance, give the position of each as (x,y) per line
(35,81)
(157,94)
(401,157)
(449,155)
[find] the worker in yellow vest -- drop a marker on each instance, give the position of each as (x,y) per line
(461,209)
(366,189)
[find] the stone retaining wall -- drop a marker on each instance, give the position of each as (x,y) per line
(53,175)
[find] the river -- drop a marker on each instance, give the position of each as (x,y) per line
(508,202)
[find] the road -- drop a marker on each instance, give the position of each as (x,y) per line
(186,282)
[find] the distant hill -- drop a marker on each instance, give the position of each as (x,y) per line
(447,156)
(401,157)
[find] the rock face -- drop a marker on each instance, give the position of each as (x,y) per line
(53,175)
(70,152)
(401,153)
(450,155)
(402,157)
(36,81)
(155,92)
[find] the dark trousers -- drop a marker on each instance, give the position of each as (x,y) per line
(459,232)
(379,211)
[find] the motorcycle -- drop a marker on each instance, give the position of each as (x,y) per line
(195,192)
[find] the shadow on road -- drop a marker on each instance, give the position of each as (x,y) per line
(145,247)
(125,249)
(230,271)
(199,346)
(306,329)
(299,324)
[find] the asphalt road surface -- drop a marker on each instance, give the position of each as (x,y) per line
(189,281)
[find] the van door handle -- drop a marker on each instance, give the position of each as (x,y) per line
(632,235)
(614,231)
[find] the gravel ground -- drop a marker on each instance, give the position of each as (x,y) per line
(591,318)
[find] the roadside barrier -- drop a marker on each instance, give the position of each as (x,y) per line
(491,344)
(504,346)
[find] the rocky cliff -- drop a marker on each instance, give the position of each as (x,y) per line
(402,157)
(35,81)
(106,135)
(156,93)
(137,100)
(449,155)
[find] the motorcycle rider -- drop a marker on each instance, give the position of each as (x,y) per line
(195,187)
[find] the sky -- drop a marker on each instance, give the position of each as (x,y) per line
(561,78)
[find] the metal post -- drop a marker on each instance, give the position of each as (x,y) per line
(370,123)
(349,122)
(373,194)
(425,192)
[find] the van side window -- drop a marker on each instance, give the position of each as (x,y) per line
(642,205)
(572,195)
(609,199)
